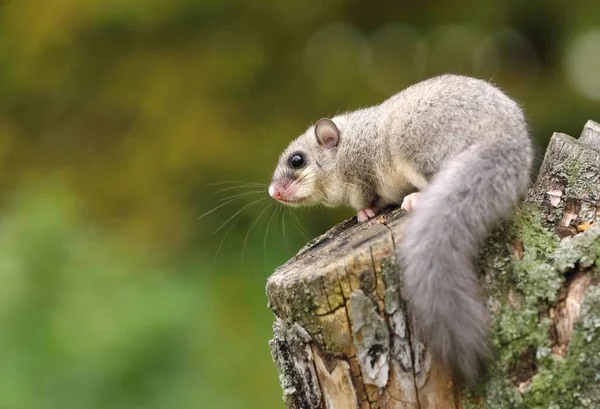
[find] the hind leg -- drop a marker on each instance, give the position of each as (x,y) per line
(410,202)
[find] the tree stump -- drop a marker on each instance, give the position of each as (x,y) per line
(343,337)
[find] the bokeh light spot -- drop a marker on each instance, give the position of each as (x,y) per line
(397,56)
(582,64)
(335,55)
(451,49)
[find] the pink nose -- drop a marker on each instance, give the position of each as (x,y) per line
(275,192)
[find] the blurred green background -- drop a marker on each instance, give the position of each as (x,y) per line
(123,121)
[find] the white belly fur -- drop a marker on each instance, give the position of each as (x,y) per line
(402,179)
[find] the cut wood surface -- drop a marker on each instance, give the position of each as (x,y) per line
(343,337)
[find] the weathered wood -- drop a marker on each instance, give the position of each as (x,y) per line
(344,339)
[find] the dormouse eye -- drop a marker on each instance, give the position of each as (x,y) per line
(297,160)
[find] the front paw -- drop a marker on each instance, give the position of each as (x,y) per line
(365,214)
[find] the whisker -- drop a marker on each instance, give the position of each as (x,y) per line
(242,187)
(223,241)
(228,182)
(254,223)
(231,227)
(304,175)
(266,234)
(255,192)
(353,185)
(285,240)
(217,207)
(239,212)
(316,199)
(321,196)
(302,229)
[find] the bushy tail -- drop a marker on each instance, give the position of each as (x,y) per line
(454,215)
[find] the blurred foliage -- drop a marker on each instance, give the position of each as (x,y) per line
(87,322)
(142,109)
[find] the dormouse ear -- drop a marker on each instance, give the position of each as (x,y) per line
(327,133)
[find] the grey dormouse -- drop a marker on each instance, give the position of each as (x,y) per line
(464,145)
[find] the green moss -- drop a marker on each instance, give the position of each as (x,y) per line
(527,226)
(583,249)
(533,282)
(575,381)
(534,277)
(572,174)
(532,285)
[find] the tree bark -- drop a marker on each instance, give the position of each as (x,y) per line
(343,337)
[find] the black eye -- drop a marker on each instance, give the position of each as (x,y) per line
(297,160)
